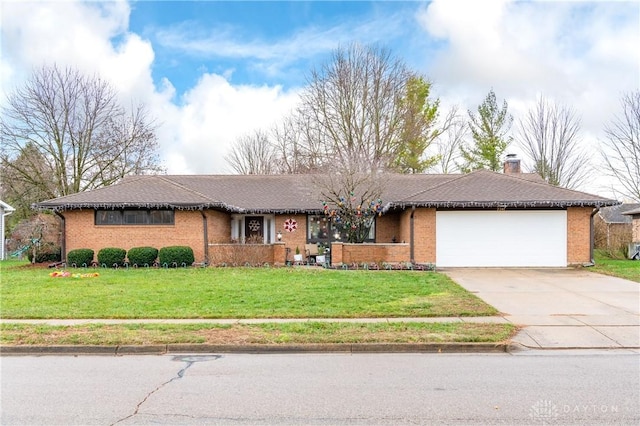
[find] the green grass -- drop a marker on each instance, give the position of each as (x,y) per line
(268,333)
(621,268)
(29,292)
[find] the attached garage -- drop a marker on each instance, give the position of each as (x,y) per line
(509,238)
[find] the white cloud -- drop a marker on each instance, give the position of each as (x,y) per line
(94,37)
(67,33)
(581,54)
(214,114)
(570,50)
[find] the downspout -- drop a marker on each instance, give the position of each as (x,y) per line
(592,237)
(63,237)
(4,247)
(206,237)
(411,242)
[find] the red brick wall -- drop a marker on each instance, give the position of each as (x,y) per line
(240,254)
(424,234)
(369,253)
(218,227)
(81,232)
(635,226)
(578,235)
(297,238)
(404,227)
(388,228)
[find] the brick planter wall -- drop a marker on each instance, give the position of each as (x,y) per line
(369,253)
(240,254)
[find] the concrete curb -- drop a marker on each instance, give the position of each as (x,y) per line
(501,347)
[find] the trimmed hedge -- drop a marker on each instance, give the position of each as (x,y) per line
(111,256)
(142,255)
(80,257)
(174,256)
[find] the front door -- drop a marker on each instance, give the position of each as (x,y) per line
(254,229)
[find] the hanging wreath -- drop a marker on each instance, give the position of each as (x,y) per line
(290,225)
(254,225)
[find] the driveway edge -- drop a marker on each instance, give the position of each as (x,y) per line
(501,347)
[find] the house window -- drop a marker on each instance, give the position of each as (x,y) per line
(321,230)
(134,217)
(253,229)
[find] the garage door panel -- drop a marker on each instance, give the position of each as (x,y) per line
(501,238)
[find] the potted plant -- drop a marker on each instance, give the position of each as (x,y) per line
(297,257)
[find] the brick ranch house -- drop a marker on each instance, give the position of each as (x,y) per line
(483,219)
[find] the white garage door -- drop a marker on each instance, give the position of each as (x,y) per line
(501,238)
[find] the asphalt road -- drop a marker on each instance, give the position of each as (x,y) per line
(528,388)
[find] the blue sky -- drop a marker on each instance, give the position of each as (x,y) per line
(212,71)
(265,42)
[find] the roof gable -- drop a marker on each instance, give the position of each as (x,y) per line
(487,189)
(620,213)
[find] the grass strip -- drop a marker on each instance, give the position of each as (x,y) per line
(247,334)
(621,268)
(29,292)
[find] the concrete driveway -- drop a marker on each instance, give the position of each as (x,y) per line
(561,308)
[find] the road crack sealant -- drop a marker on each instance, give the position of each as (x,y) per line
(189,360)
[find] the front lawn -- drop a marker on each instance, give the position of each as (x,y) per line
(621,268)
(29,292)
(253,334)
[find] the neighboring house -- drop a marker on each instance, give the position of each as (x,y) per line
(613,227)
(477,219)
(634,214)
(5,210)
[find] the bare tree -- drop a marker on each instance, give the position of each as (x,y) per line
(550,136)
(253,154)
(450,140)
(351,109)
(83,138)
(621,147)
(292,152)
(362,110)
(21,189)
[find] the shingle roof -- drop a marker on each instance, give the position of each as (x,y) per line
(633,212)
(619,213)
(300,193)
(485,189)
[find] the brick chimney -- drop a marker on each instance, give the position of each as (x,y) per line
(512,164)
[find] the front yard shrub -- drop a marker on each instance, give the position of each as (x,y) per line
(142,255)
(47,252)
(111,256)
(176,256)
(80,257)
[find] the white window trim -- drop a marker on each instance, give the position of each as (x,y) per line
(238,225)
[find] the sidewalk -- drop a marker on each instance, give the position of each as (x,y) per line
(496,320)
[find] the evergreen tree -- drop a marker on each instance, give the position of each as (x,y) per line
(489,128)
